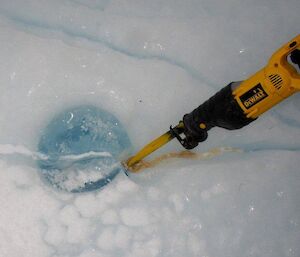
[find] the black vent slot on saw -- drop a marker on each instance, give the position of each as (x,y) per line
(276,81)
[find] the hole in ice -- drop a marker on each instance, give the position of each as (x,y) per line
(82,148)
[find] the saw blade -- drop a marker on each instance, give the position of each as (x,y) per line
(151,147)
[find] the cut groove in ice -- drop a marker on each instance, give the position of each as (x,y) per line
(83,146)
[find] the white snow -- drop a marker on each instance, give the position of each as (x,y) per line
(123,237)
(106,239)
(135,216)
(110,217)
(89,206)
(148,63)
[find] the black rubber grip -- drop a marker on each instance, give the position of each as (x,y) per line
(221,110)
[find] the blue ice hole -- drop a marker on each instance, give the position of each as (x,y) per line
(81,149)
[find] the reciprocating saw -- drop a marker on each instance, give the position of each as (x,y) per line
(237,104)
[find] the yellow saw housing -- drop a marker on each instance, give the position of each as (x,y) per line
(272,84)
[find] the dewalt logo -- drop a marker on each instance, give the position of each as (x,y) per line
(253,96)
(258,95)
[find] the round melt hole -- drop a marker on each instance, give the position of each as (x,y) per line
(82,148)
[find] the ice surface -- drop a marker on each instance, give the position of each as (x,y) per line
(83,148)
(147,63)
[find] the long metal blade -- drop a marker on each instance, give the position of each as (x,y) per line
(151,147)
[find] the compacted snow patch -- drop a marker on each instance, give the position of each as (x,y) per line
(135,217)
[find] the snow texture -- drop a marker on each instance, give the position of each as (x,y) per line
(147,63)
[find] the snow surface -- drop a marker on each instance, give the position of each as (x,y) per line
(148,63)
